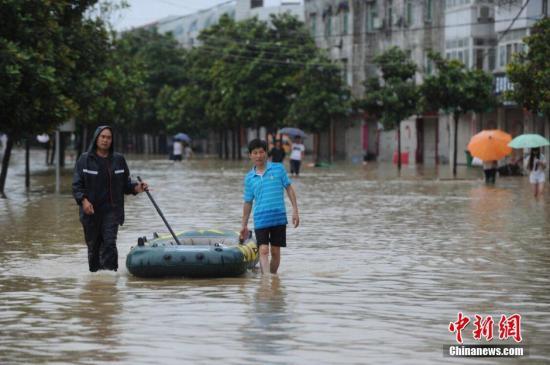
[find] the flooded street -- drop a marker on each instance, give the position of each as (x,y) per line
(378,268)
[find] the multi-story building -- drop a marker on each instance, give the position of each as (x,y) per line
(187,28)
(513,22)
(353,33)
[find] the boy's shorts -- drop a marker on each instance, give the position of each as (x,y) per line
(275,235)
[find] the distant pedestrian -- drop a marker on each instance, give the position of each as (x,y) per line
(277,153)
(187,151)
(100,180)
(177,150)
(536,164)
(296,155)
(490,171)
(264,187)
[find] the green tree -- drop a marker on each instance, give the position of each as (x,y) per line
(251,74)
(395,96)
(457,90)
(321,98)
(158,61)
(530,71)
(43,46)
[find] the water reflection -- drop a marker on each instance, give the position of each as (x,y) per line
(267,332)
(98,309)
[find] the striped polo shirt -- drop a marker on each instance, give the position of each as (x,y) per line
(266,193)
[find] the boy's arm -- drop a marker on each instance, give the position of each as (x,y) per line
(292,196)
(247,208)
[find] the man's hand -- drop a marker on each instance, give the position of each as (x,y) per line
(87,207)
(295,218)
(141,187)
(244,234)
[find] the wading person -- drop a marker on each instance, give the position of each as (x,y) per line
(490,171)
(100,180)
(296,156)
(277,153)
(264,187)
(536,164)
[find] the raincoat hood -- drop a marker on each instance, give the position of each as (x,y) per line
(93,146)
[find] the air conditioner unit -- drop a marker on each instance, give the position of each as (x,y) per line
(485,14)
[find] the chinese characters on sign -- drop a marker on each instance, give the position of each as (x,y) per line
(508,327)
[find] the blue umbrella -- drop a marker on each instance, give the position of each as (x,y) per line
(182,137)
(293,132)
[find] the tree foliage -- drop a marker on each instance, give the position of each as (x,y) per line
(457,90)
(393,97)
(49,51)
(158,62)
(530,71)
(253,74)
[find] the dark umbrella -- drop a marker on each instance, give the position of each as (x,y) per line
(293,132)
(182,137)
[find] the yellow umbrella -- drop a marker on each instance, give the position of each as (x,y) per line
(489,145)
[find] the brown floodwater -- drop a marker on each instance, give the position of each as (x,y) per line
(377,270)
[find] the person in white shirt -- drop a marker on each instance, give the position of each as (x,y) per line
(296,155)
(536,164)
(177,151)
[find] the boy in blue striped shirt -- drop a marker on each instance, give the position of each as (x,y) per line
(264,186)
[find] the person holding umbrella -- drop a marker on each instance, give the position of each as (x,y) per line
(536,164)
(490,171)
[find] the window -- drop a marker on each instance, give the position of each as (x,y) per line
(371,16)
(313,23)
(429,11)
(428,64)
(409,14)
(328,26)
(345,22)
(256,4)
(479,58)
(390,13)
(346,76)
(492,58)
(501,56)
(545,7)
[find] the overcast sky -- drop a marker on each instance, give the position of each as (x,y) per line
(146,11)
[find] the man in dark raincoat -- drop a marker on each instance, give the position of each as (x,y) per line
(100,180)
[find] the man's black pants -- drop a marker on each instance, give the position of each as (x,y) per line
(100,232)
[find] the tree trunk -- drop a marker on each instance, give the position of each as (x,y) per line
(225,145)
(84,139)
(234,144)
(399,146)
(239,142)
(27,163)
(62,148)
(5,164)
(455,144)
(332,143)
(317,147)
(220,144)
(52,155)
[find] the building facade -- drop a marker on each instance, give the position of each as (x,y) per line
(483,34)
(353,33)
